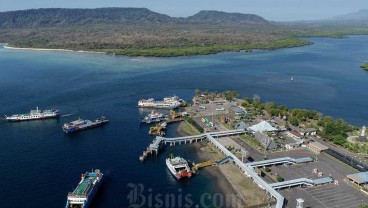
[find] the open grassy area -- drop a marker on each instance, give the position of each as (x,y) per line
(188,129)
(252,142)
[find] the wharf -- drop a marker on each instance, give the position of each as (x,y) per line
(159,141)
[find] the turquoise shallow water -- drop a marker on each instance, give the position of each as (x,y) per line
(40,164)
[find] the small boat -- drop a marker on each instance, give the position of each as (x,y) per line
(178,167)
(87,188)
(34,115)
(80,124)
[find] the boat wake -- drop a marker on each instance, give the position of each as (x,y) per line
(66,115)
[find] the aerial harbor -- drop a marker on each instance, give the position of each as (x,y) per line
(184,104)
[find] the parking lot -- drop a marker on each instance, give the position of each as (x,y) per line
(342,195)
(210,109)
(326,196)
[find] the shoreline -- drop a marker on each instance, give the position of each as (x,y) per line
(221,181)
(184,51)
(5,45)
(222,186)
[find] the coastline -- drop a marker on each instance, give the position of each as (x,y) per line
(222,186)
(184,50)
(48,49)
(228,180)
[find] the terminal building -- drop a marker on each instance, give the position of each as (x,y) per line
(316,147)
(360,179)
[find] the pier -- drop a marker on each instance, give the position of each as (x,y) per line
(154,147)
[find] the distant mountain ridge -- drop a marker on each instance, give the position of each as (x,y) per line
(217,16)
(58,16)
(361,15)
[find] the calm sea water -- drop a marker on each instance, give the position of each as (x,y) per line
(39,164)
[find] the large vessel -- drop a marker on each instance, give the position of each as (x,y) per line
(34,115)
(81,124)
(178,167)
(154,116)
(167,103)
(82,196)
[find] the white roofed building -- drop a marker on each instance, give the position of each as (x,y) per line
(263,126)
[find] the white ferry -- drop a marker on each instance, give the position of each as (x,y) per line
(178,167)
(34,115)
(167,103)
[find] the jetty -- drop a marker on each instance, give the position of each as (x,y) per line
(159,141)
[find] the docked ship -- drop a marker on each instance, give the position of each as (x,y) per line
(178,167)
(34,115)
(80,124)
(167,103)
(82,196)
(154,116)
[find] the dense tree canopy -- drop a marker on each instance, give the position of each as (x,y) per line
(141,32)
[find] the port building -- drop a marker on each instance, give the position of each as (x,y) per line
(316,147)
(359,178)
(263,126)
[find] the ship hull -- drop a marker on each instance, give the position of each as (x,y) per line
(173,172)
(93,193)
(77,129)
(31,119)
(90,196)
(158,107)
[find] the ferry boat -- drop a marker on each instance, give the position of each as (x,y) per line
(82,196)
(34,115)
(178,167)
(80,124)
(154,117)
(167,103)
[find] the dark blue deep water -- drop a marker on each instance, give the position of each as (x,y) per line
(39,164)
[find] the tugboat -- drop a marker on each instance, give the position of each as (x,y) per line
(167,103)
(154,117)
(34,115)
(82,196)
(79,125)
(178,167)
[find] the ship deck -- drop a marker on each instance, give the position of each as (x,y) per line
(81,188)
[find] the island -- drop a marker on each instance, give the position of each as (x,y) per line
(142,32)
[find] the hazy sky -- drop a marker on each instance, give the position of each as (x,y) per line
(270,9)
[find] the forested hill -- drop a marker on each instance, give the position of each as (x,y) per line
(217,16)
(58,17)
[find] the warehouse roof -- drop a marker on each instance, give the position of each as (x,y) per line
(359,177)
(262,127)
